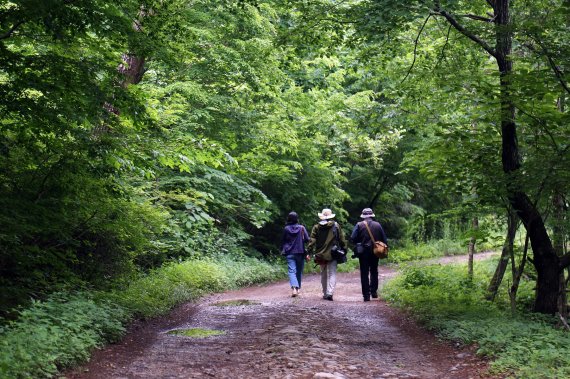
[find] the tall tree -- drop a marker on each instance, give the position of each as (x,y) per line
(490,27)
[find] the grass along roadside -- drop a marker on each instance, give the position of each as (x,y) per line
(443,298)
(63,330)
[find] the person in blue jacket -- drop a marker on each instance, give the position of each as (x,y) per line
(293,242)
(361,234)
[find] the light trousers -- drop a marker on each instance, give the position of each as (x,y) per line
(328,277)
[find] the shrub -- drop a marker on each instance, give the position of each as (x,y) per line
(445,300)
(56,333)
(433,249)
(158,291)
(63,330)
(161,289)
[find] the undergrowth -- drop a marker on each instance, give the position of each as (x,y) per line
(64,329)
(433,249)
(524,345)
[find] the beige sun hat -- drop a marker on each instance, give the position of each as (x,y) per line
(326,214)
(367,212)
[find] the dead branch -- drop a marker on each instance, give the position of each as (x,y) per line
(564,322)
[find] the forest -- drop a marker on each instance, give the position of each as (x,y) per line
(148,139)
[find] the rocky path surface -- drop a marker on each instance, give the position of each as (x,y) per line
(277,336)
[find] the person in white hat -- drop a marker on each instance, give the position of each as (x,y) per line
(324,235)
(361,238)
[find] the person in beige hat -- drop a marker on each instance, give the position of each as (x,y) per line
(324,235)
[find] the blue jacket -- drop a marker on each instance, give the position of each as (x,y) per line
(294,238)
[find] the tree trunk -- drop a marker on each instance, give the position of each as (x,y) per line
(548,265)
(506,253)
(471,249)
(517,275)
(545,261)
(559,237)
(133,69)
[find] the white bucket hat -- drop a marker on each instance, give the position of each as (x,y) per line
(326,214)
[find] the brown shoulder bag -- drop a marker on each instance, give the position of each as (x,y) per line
(379,248)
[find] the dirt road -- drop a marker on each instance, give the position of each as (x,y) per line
(278,336)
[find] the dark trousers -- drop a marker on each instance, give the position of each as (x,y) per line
(368,274)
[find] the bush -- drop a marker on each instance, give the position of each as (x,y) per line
(445,300)
(57,333)
(62,330)
(433,249)
(160,290)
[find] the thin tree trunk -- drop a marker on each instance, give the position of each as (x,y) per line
(379,188)
(517,274)
(471,249)
(558,237)
(506,253)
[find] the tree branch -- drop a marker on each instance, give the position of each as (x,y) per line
(475,17)
(564,261)
(442,54)
(9,33)
(460,28)
(540,122)
(416,48)
(557,72)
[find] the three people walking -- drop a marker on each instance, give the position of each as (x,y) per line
(327,235)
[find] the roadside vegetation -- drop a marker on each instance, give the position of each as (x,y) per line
(522,344)
(63,329)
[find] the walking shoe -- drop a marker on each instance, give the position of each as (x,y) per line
(295,292)
(374,295)
(366,299)
(328,297)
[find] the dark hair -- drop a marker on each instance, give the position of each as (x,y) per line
(292,218)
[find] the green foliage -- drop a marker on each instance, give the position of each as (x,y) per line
(57,333)
(524,346)
(246,110)
(64,329)
(409,251)
(160,290)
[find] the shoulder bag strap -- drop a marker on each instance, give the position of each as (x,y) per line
(369,232)
(335,231)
